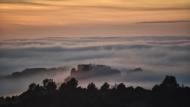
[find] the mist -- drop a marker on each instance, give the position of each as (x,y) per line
(157,56)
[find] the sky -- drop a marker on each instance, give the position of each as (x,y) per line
(151,34)
(71,18)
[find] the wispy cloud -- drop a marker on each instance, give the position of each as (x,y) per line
(23,2)
(169,21)
(143,5)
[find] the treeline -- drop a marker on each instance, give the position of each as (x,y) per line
(69,94)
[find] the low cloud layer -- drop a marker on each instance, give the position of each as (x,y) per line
(16,55)
(157,56)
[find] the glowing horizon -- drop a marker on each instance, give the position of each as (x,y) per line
(20,18)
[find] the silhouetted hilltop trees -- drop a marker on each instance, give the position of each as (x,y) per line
(69,94)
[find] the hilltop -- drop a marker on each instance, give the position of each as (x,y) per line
(166,94)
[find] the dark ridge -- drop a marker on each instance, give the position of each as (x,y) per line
(69,94)
(29,72)
(34,71)
(86,71)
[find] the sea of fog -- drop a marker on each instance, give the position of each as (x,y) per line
(157,56)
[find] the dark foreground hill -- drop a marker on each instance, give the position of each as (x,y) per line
(69,94)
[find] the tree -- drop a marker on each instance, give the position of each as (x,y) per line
(121,87)
(91,87)
(105,87)
(169,82)
(49,84)
(72,83)
(32,87)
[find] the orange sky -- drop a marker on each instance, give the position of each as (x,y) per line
(45,18)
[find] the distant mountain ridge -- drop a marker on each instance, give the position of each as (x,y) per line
(35,71)
(86,71)
(83,71)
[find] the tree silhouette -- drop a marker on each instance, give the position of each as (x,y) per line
(121,87)
(91,87)
(166,94)
(49,84)
(32,87)
(70,84)
(73,83)
(169,82)
(105,87)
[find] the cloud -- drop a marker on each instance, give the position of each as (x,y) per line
(129,8)
(119,5)
(169,21)
(157,56)
(24,2)
(130,50)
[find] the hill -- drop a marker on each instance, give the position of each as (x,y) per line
(167,94)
